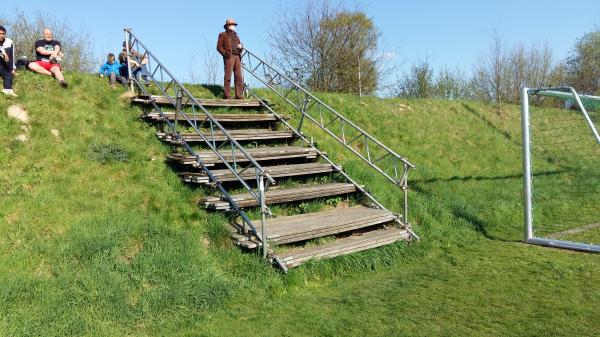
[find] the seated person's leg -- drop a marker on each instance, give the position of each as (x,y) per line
(38,68)
(136,72)
(123,80)
(8,80)
(59,76)
(55,70)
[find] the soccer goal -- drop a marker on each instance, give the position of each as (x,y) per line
(561,169)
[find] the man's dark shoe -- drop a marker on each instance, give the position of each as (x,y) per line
(63,84)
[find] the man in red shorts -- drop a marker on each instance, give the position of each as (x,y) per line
(47,58)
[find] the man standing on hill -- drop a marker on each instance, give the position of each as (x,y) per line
(47,58)
(7,62)
(230,47)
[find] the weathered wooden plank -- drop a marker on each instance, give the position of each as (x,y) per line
(221,118)
(206,102)
(279,171)
(343,246)
(219,136)
(209,158)
(277,196)
(307,226)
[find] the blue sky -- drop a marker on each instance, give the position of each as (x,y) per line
(449,33)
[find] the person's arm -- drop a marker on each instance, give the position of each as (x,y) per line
(144,59)
(4,54)
(12,58)
(10,62)
(221,45)
(102,70)
(10,55)
(240,45)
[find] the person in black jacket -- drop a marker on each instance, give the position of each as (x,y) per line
(7,62)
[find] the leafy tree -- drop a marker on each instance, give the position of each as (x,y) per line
(502,72)
(583,65)
(418,82)
(328,48)
(451,85)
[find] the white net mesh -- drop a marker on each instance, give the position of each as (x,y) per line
(565,158)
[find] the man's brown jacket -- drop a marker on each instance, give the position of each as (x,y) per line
(224,44)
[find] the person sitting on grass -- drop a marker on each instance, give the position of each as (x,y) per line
(110,69)
(137,63)
(48,56)
(7,62)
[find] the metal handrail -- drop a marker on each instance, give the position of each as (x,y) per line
(405,223)
(402,181)
(261,174)
(309,101)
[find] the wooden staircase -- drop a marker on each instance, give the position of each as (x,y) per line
(351,229)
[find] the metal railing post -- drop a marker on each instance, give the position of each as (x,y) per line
(405,191)
(178,107)
(303,112)
(263,213)
(128,51)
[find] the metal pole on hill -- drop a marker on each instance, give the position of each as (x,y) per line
(126,30)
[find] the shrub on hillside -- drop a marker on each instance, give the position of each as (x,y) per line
(107,153)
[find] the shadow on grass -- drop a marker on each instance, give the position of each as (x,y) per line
(215,89)
(477,224)
(484,178)
(489,123)
(460,210)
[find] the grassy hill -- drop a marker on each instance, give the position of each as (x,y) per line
(100,238)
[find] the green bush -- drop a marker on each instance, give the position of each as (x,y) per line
(107,153)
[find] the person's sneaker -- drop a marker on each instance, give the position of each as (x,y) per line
(9,92)
(63,84)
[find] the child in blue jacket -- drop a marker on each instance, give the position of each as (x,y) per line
(110,69)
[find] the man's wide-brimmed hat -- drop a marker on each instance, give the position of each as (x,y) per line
(230,22)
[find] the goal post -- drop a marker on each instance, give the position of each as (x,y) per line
(561,170)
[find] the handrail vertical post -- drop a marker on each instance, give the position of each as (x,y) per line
(178,107)
(128,51)
(263,212)
(405,191)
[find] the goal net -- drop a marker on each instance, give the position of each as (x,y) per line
(561,164)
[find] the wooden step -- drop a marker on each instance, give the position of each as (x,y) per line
(282,195)
(302,227)
(221,118)
(206,102)
(225,175)
(344,246)
(240,135)
(210,158)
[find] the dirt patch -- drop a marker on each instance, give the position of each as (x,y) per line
(22,138)
(127,95)
(18,113)
(131,251)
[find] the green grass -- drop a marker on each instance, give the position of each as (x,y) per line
(95,246)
